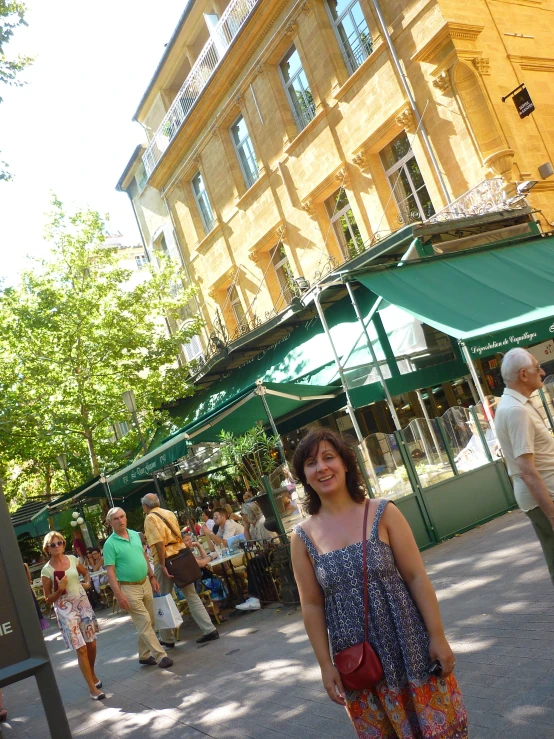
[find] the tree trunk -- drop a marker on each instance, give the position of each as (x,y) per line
(87,433)
(92,453)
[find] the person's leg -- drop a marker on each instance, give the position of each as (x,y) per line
(255,572)
(91,650)
(545,535)
(197,609)
(84,666)
(141,610)
(167,636)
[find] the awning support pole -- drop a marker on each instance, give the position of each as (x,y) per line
(261,392)
(159,490)
(349,406)
(373,356)
(428,419)
(480,393)
(107,490)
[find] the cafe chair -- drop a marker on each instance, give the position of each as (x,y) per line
(106,595)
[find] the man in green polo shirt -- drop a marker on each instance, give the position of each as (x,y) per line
(132,581)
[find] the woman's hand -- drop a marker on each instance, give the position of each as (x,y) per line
(440,649)
(62,584)
(333,684)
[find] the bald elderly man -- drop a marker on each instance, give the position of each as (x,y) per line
(528,446)
(132,581)
(161,529)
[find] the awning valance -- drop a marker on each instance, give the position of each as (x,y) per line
(140,471)
(246,409)
(491,299)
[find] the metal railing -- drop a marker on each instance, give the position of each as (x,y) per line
(489,196)
(229,25)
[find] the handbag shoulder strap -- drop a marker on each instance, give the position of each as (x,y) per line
(169,526)
(364,549)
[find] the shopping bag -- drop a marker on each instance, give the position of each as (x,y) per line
(166,613)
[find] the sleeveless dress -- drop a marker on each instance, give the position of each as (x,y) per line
(74,613)
(408,703)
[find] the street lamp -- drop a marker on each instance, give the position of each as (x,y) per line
(62,462)
(128,398)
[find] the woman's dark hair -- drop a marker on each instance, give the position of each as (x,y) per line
(308,447)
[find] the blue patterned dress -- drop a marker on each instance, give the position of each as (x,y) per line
(407,703)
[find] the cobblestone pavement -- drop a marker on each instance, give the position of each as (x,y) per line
(260,679)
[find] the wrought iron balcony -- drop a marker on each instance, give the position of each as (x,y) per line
(233,19)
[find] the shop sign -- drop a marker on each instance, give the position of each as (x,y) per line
(503,341)
(524,104)
(13,647)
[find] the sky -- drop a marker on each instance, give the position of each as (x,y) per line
(69,129)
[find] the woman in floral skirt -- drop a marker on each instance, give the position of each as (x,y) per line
(76,619)
(405,627)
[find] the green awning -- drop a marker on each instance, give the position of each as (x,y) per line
(140,471)
(492,299)
(246,409)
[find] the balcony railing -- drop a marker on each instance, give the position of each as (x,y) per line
(234,17)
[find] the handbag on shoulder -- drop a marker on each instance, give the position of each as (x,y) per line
(359,665)
(182,566)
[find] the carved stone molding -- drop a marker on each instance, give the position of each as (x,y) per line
(442,82)
(361,160)
(343,177)
(291,29)
(306,7)
(216,133)
(212,292)
(308,206)
(405,119)
(481,64)
(261,69)
(238,102)
(501,163)
(534,63)
(450,33)
(280,233)
(254,256)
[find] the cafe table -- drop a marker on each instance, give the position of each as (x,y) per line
(226,560)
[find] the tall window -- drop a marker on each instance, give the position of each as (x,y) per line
(298,89)
(406,180)
(352,31)
(193,349)
(236,307)
(284,274)
(344,224)
(203,202)
(141,260)
(245,151)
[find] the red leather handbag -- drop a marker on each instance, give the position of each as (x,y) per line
(359,666)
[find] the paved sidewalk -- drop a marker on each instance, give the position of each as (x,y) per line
(260,680)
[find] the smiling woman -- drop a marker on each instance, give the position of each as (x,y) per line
(364,589)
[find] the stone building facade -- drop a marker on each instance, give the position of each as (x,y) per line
(285,137)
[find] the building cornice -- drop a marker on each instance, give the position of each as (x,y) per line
(450,32)
(533,63)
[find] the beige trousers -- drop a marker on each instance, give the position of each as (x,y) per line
(196,607)
(141,610)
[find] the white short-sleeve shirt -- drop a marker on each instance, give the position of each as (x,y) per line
(521,430)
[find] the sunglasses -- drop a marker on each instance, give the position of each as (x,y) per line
(56,544)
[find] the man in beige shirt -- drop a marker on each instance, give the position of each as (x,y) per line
(164,540)
(528,446)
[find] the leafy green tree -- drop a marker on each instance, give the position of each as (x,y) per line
(12,15)
(73,336)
